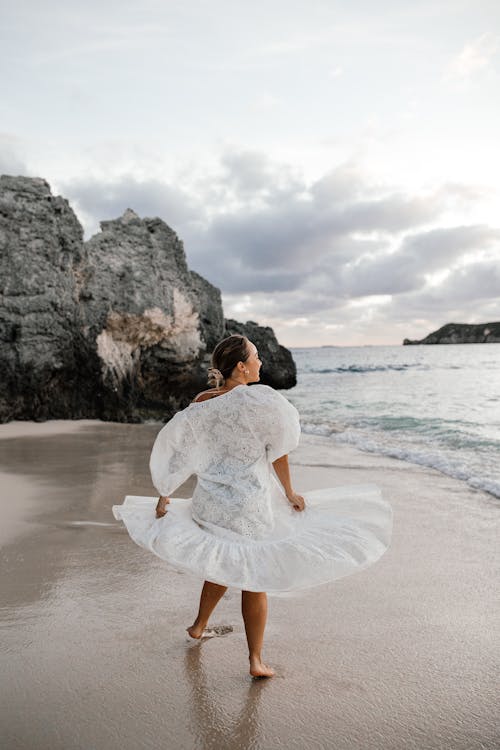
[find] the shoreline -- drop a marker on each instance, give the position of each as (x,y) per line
(490,488)
(50,428)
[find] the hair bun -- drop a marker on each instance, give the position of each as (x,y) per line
(215,377)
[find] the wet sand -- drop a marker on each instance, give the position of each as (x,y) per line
(93,652)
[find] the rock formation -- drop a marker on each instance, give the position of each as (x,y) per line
(116,328)
(462,333)
(278,368)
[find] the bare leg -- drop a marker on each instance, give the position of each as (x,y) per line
(211,594)
(254,610)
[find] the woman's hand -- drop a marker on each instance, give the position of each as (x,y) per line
(160,508)
(296,500)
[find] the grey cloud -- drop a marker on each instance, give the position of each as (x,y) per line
(343,184)
(108,200)
(310,228)
(441,245)
(269,238)
(325,296)
(256,252)
(305,304)
(250,173)
(391,214)
(392,274)
(477,281)
(471,293)
(418,255)
(424,304)
(313,247)
(231,278)
(295,304)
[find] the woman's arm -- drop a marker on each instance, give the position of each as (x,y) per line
(160,508)
(282,469)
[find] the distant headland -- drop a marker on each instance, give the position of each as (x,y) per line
(462,333)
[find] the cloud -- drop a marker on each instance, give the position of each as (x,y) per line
(95,200)
(252,175)
(475,56)
(472,283)
(281,223)
(417,257)
(334,253)
(392,213)
(469,294)
(439,246)
(342,184)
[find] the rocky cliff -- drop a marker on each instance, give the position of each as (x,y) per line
(278,368)
(116,328)
(462,333)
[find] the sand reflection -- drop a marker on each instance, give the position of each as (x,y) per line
(214,724)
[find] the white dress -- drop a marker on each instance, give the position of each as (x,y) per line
(239,529)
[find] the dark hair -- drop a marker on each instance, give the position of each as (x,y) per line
(225,357)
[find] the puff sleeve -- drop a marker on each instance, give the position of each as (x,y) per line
(283,427)
(172,457)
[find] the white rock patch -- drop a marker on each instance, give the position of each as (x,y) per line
(119,344)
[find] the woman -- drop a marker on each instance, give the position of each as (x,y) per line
(242,528)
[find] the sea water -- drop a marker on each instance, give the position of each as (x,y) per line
(438,406)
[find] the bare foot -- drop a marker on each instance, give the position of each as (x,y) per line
(200,633)
(259,669)
(195,631)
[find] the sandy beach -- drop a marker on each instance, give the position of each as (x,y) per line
(94,656)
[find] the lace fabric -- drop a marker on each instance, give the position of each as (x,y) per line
(229,443)
(238,529)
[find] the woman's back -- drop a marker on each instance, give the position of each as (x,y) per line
(233,436)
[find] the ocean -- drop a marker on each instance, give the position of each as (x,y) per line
(438,406)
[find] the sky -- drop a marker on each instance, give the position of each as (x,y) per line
(333,167)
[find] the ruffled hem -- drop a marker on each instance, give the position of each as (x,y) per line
(343,530)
